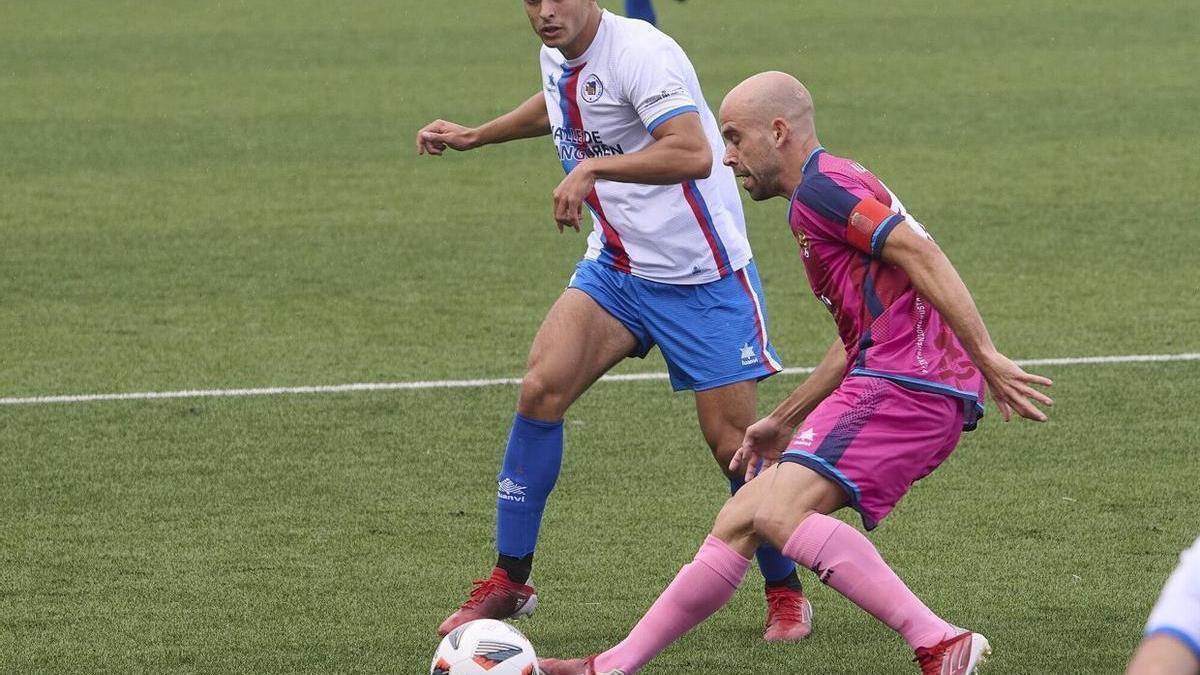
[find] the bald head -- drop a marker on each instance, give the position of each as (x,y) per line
(767,122)
(770,95)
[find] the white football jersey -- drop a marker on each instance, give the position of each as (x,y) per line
(1177,612)
(607,102)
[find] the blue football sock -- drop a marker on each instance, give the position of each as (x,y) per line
(531,464)
(641,9)
(773,564)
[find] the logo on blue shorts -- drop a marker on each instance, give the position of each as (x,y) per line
(748,356)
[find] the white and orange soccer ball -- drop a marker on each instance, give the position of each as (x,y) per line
(484,647)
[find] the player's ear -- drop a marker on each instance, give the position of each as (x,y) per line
(780,131)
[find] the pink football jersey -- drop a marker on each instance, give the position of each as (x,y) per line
(841,215)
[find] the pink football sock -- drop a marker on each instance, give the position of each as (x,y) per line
(847,561)
(701,588)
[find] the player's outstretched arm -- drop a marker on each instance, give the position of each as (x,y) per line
(934,277)
(528,120)
(680,152)
(766,439)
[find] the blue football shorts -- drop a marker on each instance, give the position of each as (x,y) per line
(710,334)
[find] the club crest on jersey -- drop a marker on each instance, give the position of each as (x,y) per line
(802,241)
(593,88)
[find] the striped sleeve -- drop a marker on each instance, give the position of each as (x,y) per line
(655,83)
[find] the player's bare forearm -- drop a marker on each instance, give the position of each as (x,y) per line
(528,120)
(680,152)
(766,439)
(934,277)
(1163,655)
(816,387)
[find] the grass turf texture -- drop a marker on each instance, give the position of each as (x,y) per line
(225,194)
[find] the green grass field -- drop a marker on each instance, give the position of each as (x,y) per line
(225,194)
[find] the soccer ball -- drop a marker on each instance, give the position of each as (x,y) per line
(484,647)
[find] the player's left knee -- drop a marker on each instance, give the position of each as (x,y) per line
(734,522)
(541,397)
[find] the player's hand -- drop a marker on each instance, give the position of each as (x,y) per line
(762,446)
(570,194)
(1012,388)
(435,137)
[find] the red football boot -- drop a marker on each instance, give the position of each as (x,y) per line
(496,597)
(789,615)
(958,655)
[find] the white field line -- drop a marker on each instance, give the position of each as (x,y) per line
(504,381)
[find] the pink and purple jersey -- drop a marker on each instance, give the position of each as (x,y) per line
(841,215)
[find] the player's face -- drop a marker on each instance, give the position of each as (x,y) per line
(559,23)
(749,152)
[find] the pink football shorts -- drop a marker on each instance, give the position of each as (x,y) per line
(875,439)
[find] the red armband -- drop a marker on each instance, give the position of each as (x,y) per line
(864,220)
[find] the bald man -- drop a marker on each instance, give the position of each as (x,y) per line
(885,407)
